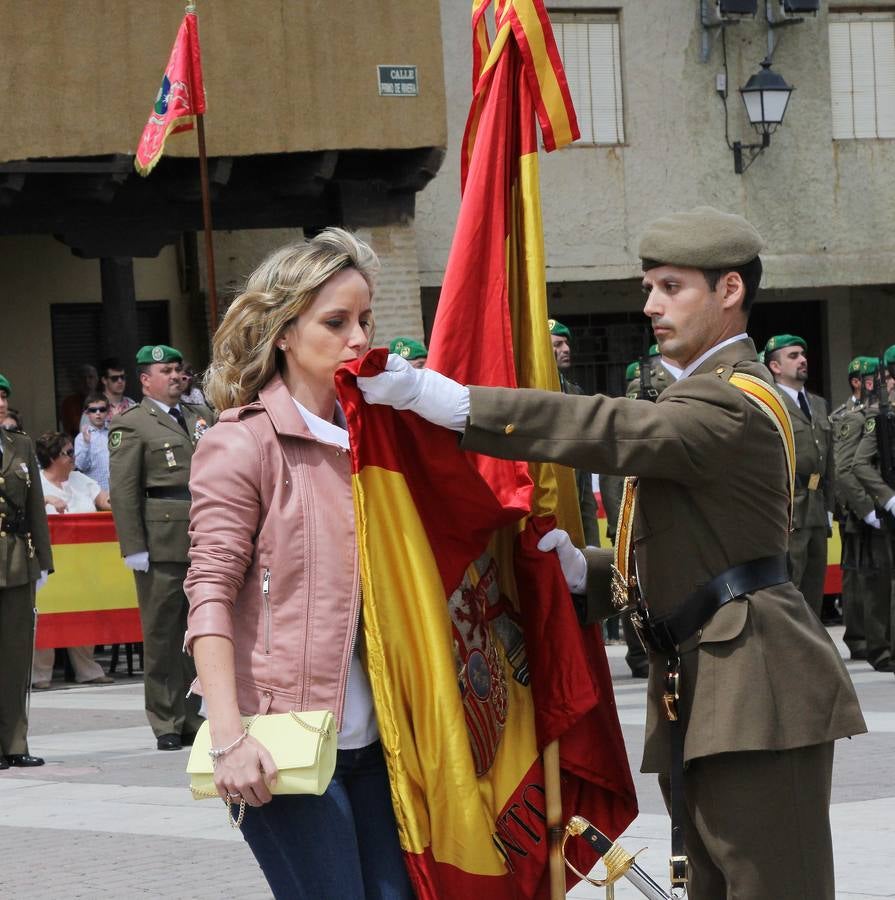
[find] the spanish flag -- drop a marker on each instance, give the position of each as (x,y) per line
(475,656)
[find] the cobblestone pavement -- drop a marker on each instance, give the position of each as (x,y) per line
(109,815)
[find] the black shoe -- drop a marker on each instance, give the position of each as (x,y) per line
(886,665)
(188,738)
(642,672)
(857,653)
(3,763)
(23,760)
(169,742)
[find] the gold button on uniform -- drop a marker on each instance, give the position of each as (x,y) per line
(719,370)
(509,429)
(2,481)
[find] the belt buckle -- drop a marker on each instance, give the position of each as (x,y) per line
(814,481)
(672,693)
(678,870)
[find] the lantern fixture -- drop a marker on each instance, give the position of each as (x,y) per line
(766,97)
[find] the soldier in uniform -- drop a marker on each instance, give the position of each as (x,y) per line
(25,561)
(877,476)
(150,451)
(785,356)
(859,574)
(662,372)
(562,353)
(746,687)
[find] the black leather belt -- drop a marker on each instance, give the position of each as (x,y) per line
(666,634)
(169,493)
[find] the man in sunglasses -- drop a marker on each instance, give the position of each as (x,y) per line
(114,382)
(92,444)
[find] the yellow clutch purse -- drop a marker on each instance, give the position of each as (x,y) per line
(302,744)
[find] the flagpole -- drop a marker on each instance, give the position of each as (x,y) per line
(206,209)
(555,828)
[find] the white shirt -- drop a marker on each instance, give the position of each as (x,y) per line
(79,493)
(689,370)
(792,393)
(359,728)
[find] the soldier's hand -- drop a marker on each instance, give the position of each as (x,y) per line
(138,562)
(44,575)
(873,520)
(571,559)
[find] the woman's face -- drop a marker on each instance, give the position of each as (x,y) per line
(333,330)
(65,462)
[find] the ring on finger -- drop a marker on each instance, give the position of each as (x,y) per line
(236,796)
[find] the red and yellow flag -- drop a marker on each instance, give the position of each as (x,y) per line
(90,598)
(181,96)
(474,652)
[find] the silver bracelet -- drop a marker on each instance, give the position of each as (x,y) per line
(216,754)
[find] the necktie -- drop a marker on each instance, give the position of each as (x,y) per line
(177,416)
(803,403)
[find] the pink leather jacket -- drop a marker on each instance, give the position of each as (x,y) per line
(273,555)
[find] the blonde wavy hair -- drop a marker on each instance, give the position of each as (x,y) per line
(244,351)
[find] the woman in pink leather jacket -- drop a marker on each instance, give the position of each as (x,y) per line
(274,585)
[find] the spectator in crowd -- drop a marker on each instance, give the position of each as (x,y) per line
(114,383)
(71,407)
(66,491)
(92,444)
(12,421)
(25,563)
(192,393)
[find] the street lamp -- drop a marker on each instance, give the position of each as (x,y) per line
(766,96)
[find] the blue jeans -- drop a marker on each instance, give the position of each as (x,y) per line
(343,845)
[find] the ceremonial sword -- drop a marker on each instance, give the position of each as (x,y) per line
(618,862)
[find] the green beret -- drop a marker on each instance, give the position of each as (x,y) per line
(633,371)
(869,365)
(408,348)
(558,328)
(158,353)
(854,367)
(761,356)
(653,350)
(5,385)
(703,238)
(889,356)
(779,341)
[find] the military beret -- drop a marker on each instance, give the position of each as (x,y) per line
(653,350)
(779,341)
(889,356)
(854,367)
(558,328)
(702,238)
(408,348)
(5,385)
(157,353)
(869,365)
(633,371)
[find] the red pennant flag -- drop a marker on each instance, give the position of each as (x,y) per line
(181,96)
(474,653)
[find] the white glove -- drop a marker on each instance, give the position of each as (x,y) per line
(138,562)
(44,575)
(872,519)
(890,506)
(571,559)
(428,393)
(829,519)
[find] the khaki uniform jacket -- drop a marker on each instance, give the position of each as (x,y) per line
(20,489)
(851,494)
(814,456)
(762,674)
(866,462)
(148,449)
(584,483)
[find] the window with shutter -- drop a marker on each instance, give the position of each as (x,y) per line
(588,43)
(862,75)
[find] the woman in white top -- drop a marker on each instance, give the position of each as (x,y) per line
(66,491)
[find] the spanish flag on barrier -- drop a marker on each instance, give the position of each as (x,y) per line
(181,96)
(475,656)
(91,597)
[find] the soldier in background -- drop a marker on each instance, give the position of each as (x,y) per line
(415,352)
(647,382)
(877,475)
(150,453)
(786,358)
(25,562)
(562,353)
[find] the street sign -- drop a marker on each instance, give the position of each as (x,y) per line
(398,81)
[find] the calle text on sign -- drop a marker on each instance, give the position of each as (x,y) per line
(398,81)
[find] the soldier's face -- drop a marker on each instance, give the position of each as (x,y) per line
(791,365)
(561,351)
(163,382)
(333,330)
(4,404)
(689,318)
